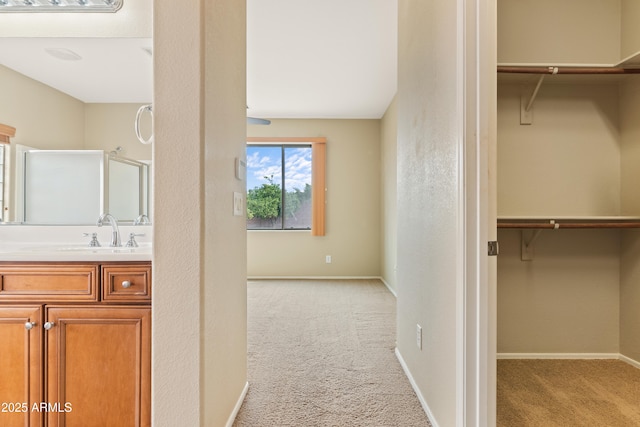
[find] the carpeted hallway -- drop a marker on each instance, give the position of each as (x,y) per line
(321,353)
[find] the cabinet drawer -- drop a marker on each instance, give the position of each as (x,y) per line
(49,282)
(126,283)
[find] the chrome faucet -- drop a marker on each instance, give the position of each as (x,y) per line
(115,231)
(142,219)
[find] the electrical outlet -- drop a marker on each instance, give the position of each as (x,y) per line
(327,259)
(419,336)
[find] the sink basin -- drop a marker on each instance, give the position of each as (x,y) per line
(38,243)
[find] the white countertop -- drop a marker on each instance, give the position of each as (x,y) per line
(68,243)
(67,253)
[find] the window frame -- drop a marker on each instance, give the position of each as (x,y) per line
(318,175)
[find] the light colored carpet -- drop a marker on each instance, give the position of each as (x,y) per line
(321,353)
(563,393)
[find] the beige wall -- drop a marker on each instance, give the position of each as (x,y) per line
(199,304)
(429,183)
(352,206)
(630,247)
(559,32)
(568,161)
(630,295)
(564,301)
(46,118)
(630,148)
(178,216)
(389,194)
(108,126)
(549,32)
(43,117)
(224,298)
(630,31)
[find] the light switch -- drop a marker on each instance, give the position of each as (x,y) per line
(238,204)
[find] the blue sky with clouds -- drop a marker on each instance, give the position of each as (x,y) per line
(264,160)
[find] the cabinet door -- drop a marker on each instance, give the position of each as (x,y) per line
(98,366)
(21,365)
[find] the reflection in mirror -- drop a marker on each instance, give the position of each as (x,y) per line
(77,186)
(128,189)
(2,183)
(62,186)
(87,104)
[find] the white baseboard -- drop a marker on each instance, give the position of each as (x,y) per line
(312,277)
(614,356)
(236,409)
(423,402)
(630,361)
(393,292)
(558,355)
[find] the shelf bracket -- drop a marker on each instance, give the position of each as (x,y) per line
(527,240)
(526,113)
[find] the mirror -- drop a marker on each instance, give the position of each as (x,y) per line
(49,120)
(79,90)
(62,187)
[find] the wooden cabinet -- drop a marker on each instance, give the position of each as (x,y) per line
(67,362)
(21,370)
(98,365)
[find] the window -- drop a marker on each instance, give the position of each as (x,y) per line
(285,184)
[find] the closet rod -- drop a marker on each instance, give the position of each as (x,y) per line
(568,70)
(569,225)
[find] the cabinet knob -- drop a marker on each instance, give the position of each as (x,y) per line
(49,325)
(126,284)
(29,325)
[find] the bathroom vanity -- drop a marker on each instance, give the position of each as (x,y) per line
(75,334)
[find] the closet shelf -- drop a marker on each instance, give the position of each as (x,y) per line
(569,222)
(532,227)
(566,70)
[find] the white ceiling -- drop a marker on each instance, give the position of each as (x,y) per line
(321,58)
(111,69)
(305,59)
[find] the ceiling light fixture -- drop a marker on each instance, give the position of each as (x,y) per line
(63,53)
(60,5)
